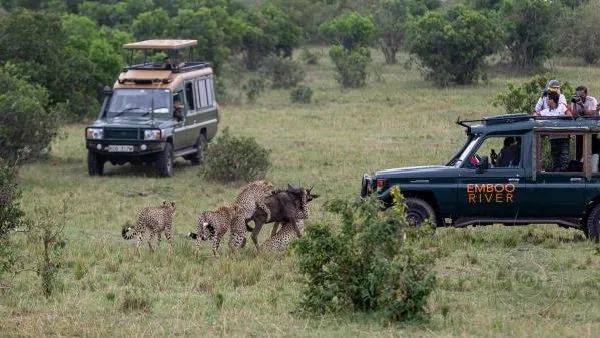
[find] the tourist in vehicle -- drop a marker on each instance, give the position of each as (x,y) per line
(554,106)
(168,64)
(509,153)
(553,86)
(582,104)
(559,145)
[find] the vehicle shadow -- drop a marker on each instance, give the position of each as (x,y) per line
(143,170)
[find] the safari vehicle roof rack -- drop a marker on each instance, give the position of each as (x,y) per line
(500,119)
(171,47)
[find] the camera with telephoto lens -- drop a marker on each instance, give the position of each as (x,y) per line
(576,98)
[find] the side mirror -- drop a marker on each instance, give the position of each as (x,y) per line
(483,165)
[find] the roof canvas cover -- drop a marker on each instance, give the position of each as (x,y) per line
(161,44)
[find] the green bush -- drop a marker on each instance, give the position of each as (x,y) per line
(530,28)
(27,125)
(283,72)
(254,87)
(452,46)
(308,57)
(367,265)
(350,30)
(231,158)
(351,65)
(301,94)
(11,215)
(521,99)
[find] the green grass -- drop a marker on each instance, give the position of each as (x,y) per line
(493,281)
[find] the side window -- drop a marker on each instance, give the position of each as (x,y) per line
(502,152)
(209,91)
(189,96)
(203,95)
(560,153)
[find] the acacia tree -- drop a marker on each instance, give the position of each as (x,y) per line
(452,46)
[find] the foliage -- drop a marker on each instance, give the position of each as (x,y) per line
(254,87)
(309,57)
(153,24)
(350,30)
(269,31)
(27,125)
(351,65)
(522,98)
(391,17)
(232,158)
(11,215)
(584,40)
(301,94)
(283,72)
(452,46)
(366,266)
(46,234)
(529,26)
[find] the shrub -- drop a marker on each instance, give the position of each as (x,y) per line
(351,65)
(529,26)
(301,94)
(11,215)
(366,266)
(283,72)
(254,87)
(232,158)
(27,125)
(308,57)
(350,30)
(586,40)
(522,98)
(452,46)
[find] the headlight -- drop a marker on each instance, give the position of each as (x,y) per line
(152,134)
(94,133)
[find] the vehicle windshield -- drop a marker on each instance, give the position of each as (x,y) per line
(461,155)
(140,102)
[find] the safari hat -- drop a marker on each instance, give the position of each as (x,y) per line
(553,86)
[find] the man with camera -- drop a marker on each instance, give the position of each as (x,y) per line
(553,86)
(582,104)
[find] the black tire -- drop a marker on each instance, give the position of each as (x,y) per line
(198,158)
(164,162)
(593,225)
(95,163)
(418,211)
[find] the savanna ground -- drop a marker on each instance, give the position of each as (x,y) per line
(493,281)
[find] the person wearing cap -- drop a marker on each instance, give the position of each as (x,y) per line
(551,86)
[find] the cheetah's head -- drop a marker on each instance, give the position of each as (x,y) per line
(126,231)
(169,205)
(206,230)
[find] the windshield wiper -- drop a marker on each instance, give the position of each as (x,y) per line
(126,110)
(150,110)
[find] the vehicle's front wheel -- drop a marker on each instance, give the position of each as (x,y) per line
(418,211)
(164,162)
(593,224)
(95,163)
(198,157)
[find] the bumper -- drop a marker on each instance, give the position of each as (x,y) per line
(139,148)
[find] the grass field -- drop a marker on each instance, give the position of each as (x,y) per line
(493,281)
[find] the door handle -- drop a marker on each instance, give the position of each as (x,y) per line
(576,180)
(514,180)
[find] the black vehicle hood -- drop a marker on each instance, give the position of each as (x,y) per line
(417,172)
(133,122)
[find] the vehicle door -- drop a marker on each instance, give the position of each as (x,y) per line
(205,113)
(558,187)
(186,133)
(179,106)
(493,191)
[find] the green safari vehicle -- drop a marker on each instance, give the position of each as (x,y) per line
(512,170)
(155,112)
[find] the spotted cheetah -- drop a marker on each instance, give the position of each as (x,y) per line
(214,224)
(252,197)
(154,220)
(282,239)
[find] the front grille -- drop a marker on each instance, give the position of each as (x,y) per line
(121,134)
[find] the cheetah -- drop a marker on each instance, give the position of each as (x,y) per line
(154,220)
(251,198)
(280,241)
(214,224)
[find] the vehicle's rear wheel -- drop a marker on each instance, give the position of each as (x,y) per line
(198,157)
(418,211)
(164,162)
(95,163)
(593,224)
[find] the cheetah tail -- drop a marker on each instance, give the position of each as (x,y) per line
(126,231)
(249,228)
(193,235)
